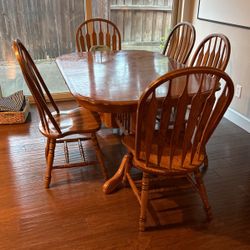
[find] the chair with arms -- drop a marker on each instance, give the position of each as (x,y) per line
(213,51)
(180,42)
(158,150)
(59,126)
(97,31)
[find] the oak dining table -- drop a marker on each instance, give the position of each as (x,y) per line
(112,82)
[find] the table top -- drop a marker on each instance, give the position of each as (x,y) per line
(112,81)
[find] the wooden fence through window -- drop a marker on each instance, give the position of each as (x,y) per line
(47,27)
(142,21)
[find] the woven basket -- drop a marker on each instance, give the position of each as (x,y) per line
(15,117)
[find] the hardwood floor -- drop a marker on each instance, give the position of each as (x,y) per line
(75,214)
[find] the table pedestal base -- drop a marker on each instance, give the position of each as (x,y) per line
(118,179)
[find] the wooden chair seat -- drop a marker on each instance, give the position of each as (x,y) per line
(167,166)
(78,120)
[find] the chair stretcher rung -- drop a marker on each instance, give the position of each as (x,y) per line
(81,150)
(134,188)
(73,139)
(66,152)
(77,164)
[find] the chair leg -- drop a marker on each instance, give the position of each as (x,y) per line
(203,194)
(47,149)
(144,201)
(50,160)
(99,155)
(128,166)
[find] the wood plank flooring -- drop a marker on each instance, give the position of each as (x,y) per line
(75,214)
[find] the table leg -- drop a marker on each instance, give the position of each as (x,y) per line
(111,184)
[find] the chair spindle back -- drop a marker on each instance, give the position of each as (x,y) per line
(180,42)
(37,86)
(187,136)
(97,31)
(214,51)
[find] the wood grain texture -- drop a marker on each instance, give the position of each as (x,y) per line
(142,21)
(175,147)
(180,42)
(213,51)
(75,214)
(58,126)
(47,27)
(113,81)
(99,34)
(97,31)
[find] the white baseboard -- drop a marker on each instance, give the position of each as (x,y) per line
(238,119)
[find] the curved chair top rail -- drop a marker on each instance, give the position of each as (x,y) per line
(213,51)
(180,42)
(37,86)
(184,138)
(97,31)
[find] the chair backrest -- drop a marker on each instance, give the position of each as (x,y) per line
(180,42)
(214,51)
(37,87)
(187,136)
(97,31)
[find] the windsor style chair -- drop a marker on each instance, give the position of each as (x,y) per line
(58,126)
(158,150)
(97,31)
(213,51)
(180,42)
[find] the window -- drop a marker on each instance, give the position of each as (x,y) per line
(47,29)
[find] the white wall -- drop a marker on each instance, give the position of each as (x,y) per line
(239,64)
(226,11)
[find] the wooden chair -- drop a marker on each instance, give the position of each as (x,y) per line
(59,126)
(180,42)
(97,31)
(99,34)
(214,51)
(158,150)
